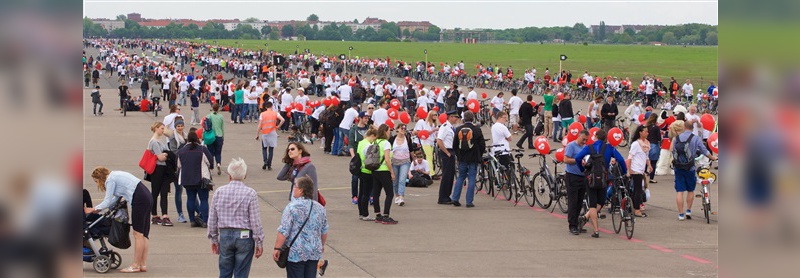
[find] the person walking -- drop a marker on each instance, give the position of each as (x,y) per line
(304,226)
(194,101)
(297,163)
(401,162)
(526,113)
(160,178)
(468,145)
(268,123)
(382,178)
(576,182)
(96,101)
(609,113)
(217,123)
(548,112)
(194,162)
(639,164)
(444,139)
(234,223)
(122,184)
(684,148)
(176,141)
(357,134)
(654,139)
(566,113)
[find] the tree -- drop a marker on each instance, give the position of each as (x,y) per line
(307,32)
(711,38)
(122,17)
(313,18)
(392,27)
(406,33)
(346,32)
(630,32)
(287,31)
(601,32)
(625,38)
(669,38)
(251,20)
(266,30)
(355,21)
(274,36)
(90,29)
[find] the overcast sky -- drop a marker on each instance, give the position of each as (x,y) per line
(444,13)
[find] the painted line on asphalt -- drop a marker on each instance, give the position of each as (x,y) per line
(696,259)
(607,231)
(660,248)
(633,239)
(285,191)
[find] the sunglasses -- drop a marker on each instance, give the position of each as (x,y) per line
(292,149)
(371,108)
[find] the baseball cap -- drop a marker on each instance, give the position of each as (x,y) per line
(362,114)
(453,113)
(638,100)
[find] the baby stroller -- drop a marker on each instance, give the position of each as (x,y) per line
(102,258)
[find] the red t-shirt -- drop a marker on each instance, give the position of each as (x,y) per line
(145,105)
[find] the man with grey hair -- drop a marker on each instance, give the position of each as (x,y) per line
(234,223)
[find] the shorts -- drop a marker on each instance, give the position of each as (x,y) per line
(596,197)
(566,123)
(685,180)
(513,119)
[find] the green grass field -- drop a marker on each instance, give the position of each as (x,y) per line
(617,60)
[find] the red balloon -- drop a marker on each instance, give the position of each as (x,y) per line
(289,108)
(484,95)
(309,111)
(560,155)
(200,133)
(390,123)
(562,82)
(393,113)
(661,93)
(574,129)
(641,87)
(708,122)
(421,113)
(442,118)
(665,143)
(436,108)
(395,104)
(407,78)
(423,134)
(641,117)
(326,102)
(542,145)
(335,101)
(473,105)
(713,142)
(592,138)
(615,136)
(351,83)
(716,92)
(298,106)
(602,87)
(560,96)
(582,119)
(405,118)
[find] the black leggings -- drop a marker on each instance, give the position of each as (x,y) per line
(159,185)
(653,171)
(638,191)
(382,180)
(363,193)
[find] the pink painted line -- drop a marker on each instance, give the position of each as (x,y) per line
(661,248)
(537,209)
(558,215)
(633,239)
(606,231)
(696,259)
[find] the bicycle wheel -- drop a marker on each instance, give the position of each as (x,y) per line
(563,204)
(502,184)
(628,220)
(616,215)
(507,185)
(491,181)
(527,190)
(513,186)
(480,178)
(707,211)
(542,193)
(626,138)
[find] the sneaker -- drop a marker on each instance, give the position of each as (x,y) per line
(370,200)
(181,219)
(264,167)
(219,169)
(323,268)
(388,220)
(402,202)
(456,203)
(366,218)
(596,235)
(681,217)
(470,205)
(166,222)
(355,200)
(688,214)
(156,220)
(378,218)
(574,231)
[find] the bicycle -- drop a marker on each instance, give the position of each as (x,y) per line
(490,167)
(622,212)
(705,178)
(524,184)
(547,187)
(626,137)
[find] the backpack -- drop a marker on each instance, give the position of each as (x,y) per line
(358,93)
(598,173)
(372,157)
(465,139)
(355,165)
(208,132)
(680,154)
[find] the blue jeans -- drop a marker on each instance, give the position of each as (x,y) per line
(401,175)
(441,108)
(242,109)
(216,149)
(192,205)
(304,269)
(252,109)
(178,197)
(182,98)
(557,128)
(235,254)
(338,142)
(466,170)
(296,118)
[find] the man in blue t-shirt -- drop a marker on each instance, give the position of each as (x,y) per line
(576,182)
(597,197)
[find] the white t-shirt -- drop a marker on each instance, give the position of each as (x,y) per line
(497,103)
(462,100)
(688,89)
(446,134)
(379,117)
(422,101)
(499,134)
(184,86)
(697,128)
(422,167)
(423,125)
(638,158)
(515,103)
(252,94)
(472,95)
(350,116)
(166,79)
(345,91)
(440,97)
(301,99)
(286,100)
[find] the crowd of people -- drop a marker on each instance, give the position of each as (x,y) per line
(356,117)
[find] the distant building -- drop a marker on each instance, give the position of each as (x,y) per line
(135,17)
(373,22)
(161,23)
(109,25)
(619,29)
(414,25)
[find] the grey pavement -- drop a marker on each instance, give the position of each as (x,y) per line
(494,239)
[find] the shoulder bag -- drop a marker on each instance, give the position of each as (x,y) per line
(283,257)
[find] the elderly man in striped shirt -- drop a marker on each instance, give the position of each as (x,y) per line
(234,224)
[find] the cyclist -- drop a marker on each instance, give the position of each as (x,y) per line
(597,196)
(576,182)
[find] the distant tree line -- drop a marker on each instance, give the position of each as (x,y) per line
(696,34)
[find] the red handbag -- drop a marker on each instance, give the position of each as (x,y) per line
(148,161)
(320,199)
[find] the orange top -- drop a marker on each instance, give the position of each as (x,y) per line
(268,121)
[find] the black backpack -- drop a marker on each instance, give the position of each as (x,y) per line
(358,93)
(355,165)
(597,172)
(680,154)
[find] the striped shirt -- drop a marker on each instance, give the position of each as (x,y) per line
(235,205)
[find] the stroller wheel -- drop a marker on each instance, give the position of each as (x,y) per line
(116,260)
(101,264)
